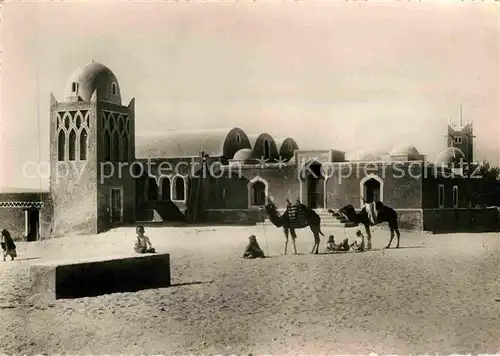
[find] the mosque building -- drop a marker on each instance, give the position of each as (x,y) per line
(104,173)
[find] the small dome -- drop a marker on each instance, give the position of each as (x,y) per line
(243,154)
(91,77)
(408,150)
(449,156)
(367,154)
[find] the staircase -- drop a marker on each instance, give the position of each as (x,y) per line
(327,219)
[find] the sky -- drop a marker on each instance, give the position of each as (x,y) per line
(340,75)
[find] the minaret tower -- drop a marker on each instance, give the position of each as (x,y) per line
(461,136)
(92,134)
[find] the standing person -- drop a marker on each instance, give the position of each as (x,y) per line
(143,243)
(8,245)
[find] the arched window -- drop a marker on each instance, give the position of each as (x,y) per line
(113,88)
(179,189)
(67,121)
(111,122)
(74,86)
(152,189)
(83,145)
(238,138)
(115,147)
(165,188)
(72,145)
(267,149)
(61,145)
(455,196)
(124,148)
(258,194)
(87,116)
(107,146)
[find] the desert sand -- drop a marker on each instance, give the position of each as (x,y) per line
(437,293)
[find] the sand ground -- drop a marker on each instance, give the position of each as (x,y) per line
(438,293)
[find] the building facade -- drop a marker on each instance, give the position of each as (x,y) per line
(103,173)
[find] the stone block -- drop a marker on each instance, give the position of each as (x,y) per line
(91,277)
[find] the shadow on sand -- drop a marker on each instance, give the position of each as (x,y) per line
(406,247)
(190,283)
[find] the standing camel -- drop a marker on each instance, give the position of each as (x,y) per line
(313,221)
(384,214)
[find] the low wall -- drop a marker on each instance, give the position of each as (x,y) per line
(13,220)
(410,219)
(92,277)
(234,216)
(461,220)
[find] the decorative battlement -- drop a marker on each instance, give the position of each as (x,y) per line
(21,204)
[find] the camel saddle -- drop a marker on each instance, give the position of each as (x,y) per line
(297,216)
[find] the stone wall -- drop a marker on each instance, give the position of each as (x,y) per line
(401,190)
(461,220)
(73,184)
(13,217)
(410,219)
(236,216)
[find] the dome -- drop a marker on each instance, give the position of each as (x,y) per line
(368,154)
(92,77)
(406,150)
(286,147)
(243,154)
(189,143)
(263,146)
(448,156)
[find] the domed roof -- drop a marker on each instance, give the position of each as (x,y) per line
(367,154)
(189,143)
(93,76)
(243,154)
(404,150)
(449,155)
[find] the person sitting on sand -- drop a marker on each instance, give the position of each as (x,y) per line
(359,244)
(331,246)
(253,249)
(143,244)
(8,245)
(344,245)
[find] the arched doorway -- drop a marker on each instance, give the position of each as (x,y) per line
(152,192)
(165,188)
(314,186)
(372,191)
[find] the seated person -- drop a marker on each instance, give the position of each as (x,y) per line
(359,244)
(143,244)
(344,246)
(331,246)
(253,249)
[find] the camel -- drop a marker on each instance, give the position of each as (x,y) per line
(313,221)
(384,214)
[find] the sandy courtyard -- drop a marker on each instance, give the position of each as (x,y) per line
(437,293)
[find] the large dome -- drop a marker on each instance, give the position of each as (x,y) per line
(449,156)
(91,77)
